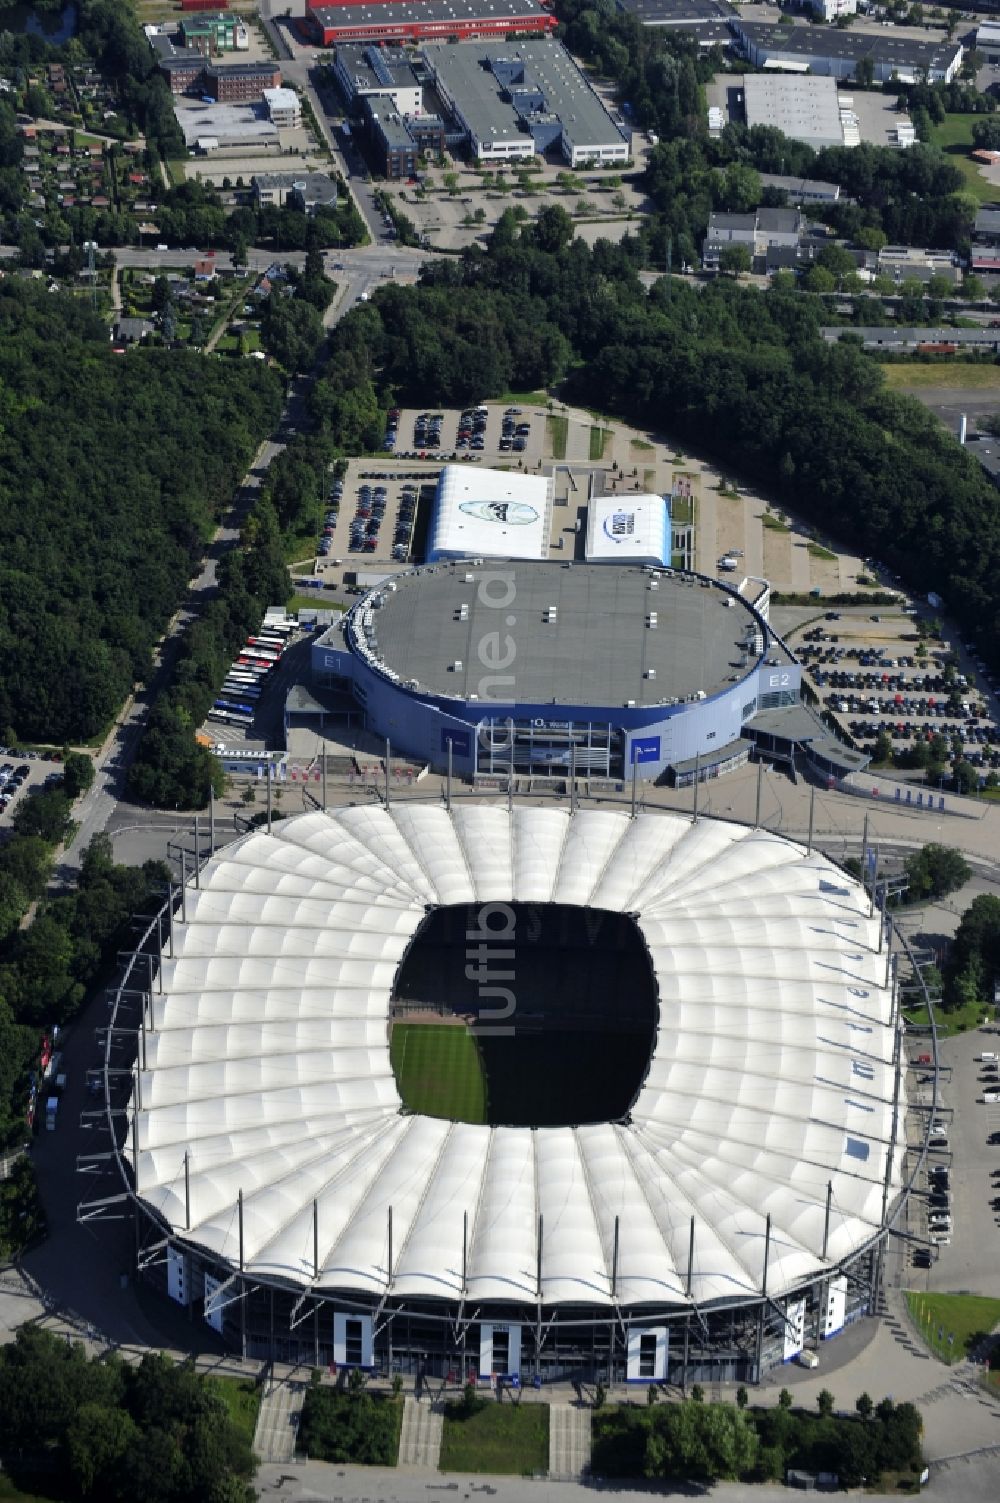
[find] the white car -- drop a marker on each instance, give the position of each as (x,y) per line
(940,1239)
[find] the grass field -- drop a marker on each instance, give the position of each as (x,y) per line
(558,428)
(512,1439)
(956,374)
(439,1071)
(242,1400)
(950,1322)
(598,442)
(954,137)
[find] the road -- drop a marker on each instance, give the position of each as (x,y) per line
(111,764)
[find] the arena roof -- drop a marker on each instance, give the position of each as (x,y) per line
(771,1075)
(628,529)
(490,514)
(597,650)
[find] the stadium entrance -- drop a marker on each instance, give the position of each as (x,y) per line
(523,1015)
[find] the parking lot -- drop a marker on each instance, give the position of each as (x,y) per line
(875,674)
(954,1218)
(20,773)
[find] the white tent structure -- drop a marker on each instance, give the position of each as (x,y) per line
(770,1092)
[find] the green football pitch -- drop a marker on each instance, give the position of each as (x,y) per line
(439,1071)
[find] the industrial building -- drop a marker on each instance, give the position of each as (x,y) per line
(706,20)
(283,107)
(831,52)
(734,1215)
(308,191)
(221,31)
(523,98)
(427,20)
(370,72)
(802,107)
(772,236)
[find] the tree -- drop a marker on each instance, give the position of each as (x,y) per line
(973,288)
(864,1406)
(784,1399)
(825,1402)
(78,774)
(934,871)
(818,279)
(734,259)
(973,964)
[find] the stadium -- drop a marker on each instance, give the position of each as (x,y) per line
(513,667)
(514,1094)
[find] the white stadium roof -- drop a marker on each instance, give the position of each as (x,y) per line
(771,1074)
(490,514)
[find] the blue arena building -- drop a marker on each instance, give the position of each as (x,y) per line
(544,668)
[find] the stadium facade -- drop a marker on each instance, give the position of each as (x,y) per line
(546,669)
(733,1214)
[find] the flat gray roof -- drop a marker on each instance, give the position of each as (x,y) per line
(799,724)
(597,652)
(802,107)
(829,41)
(681,13)
(478,94)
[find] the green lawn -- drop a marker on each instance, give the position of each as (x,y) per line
(954,137)
(949,1023)
(439,1071)
(682,510)
(242,1400)
(558,427)
(773,523)
(521,398)
(598,442)
(957,373)
(314,602)
(816,550)
(949,1323)
(505,1438)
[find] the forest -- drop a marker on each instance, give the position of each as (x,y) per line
(79,1427)
(728,371)
(113,474)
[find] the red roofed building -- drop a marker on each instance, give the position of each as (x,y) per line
(424,20)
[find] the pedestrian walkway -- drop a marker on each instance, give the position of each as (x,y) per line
(278,1421)
(569,1442)
(420,1436)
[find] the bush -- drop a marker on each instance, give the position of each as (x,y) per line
(358,1428)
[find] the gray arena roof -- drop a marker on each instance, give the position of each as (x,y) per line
(598,650)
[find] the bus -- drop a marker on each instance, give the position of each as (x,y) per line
(274,644)
(248,689)
(266,654)
(234,705)
(240,675)
(240,693)
(285,628)
(254,665)
(229,718)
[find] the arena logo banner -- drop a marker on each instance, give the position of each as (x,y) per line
(646,749)
(512,513)
(619,527)
(460,742)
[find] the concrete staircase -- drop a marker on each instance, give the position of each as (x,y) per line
(278,1421)
(420,1436)
(569,1441)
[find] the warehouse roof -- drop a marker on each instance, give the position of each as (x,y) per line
(267,1078)
(803,108)
(829,41)
(480,78)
